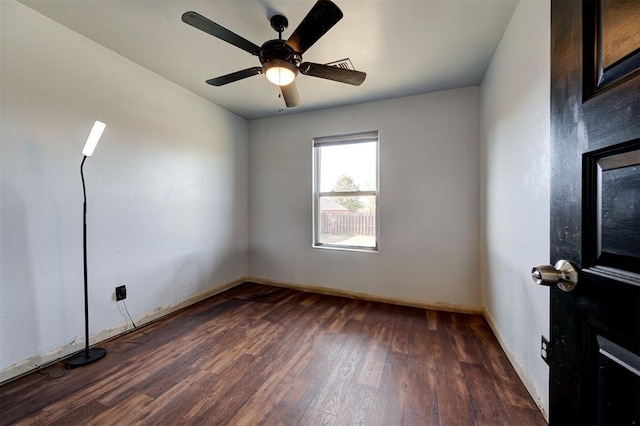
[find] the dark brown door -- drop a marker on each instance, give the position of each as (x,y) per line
(595,211)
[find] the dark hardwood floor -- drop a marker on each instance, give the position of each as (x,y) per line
(264,355)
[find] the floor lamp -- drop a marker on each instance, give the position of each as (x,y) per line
(88,355)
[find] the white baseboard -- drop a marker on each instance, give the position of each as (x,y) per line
(537,395)
(42,360)
(448,307)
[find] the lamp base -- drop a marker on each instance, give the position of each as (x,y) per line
(86,357)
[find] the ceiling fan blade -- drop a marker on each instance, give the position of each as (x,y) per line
(208,26)
(290,94)
(234,76)
(322,16)
(333,73)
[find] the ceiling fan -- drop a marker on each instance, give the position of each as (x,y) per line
(281,60)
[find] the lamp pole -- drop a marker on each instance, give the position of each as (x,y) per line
(94,354)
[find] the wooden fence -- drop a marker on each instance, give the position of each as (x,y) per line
(354,223)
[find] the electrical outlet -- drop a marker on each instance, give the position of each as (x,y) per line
(545,349)
(121,292)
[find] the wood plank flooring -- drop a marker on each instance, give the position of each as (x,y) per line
(257,354)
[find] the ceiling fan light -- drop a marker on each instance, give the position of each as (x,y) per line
(279,72)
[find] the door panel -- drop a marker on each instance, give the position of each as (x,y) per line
(619,383)
(618,29)
(612,207)
(595,211)
(610,40)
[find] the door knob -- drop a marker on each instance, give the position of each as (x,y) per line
(563,274)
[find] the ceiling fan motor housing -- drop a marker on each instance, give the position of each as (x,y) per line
(278,53)
(278,49)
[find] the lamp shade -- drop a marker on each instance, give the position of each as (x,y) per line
(279,72)
(94,137)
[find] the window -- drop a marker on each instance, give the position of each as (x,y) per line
(345,189)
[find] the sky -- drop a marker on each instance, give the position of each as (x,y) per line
(355,160)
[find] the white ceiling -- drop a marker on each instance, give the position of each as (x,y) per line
(405,46)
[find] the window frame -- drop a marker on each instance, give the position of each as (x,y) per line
(344,139)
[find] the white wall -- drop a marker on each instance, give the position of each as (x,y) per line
(429,211)
(167,191)
(515,174)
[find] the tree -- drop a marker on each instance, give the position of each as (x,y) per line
(345,183)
